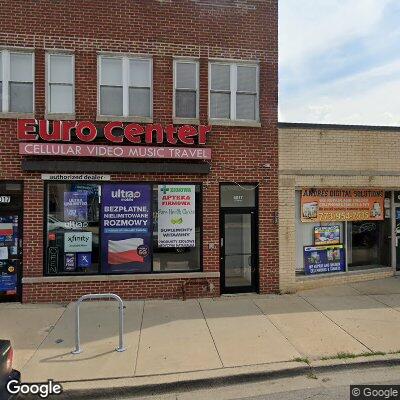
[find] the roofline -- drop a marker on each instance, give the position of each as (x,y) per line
(306,125)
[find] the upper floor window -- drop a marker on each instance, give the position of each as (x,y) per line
(16,81)
(234,91)
(60,83)
(186,89)
(125,86)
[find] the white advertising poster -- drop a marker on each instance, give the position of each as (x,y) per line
(77,242)
(176,216)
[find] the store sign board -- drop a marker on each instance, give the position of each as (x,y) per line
(318,205)
(126,224)
(75,177)
(324,259)
(176,216)
(104,151)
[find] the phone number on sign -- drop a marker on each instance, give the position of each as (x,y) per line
(343,216)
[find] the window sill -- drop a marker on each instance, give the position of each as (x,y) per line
(59,116)
(15,115)
(109,118)
(185,121)
(229,122)
(122,277)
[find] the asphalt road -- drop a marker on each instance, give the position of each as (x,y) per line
(325,386)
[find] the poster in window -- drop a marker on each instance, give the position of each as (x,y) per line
(176,216)
(126,226)
(8,276)
(327,234)
(75,206)
(324,259)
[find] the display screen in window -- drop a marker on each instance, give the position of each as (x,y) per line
(176,227)
(72,228)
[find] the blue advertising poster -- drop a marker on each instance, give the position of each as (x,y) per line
(75,206)
(126,224)
(323,259)
(8,277)
(84,260)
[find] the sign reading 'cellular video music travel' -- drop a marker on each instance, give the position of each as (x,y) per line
(42,138)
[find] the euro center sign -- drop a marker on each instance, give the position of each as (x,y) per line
(118,140)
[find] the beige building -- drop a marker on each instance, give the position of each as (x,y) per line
(339,195)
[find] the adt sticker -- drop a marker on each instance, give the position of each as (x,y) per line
(84,260)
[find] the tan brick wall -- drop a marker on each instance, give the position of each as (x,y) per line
(323,157)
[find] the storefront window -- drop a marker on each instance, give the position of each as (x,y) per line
(339,246)
(72,228)
(122,228)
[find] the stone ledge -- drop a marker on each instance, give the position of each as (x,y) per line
(126,277)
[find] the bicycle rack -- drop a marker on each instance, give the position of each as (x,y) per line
(121,347)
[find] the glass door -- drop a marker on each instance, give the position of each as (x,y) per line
(397,237)
(238,251)
(10,256)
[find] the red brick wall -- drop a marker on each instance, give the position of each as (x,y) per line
(235,29)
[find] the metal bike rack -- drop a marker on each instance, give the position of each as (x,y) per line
(121,319)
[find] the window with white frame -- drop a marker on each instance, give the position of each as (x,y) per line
(125,86)
(234,91)
(60,83)
(16,81)
(186,88)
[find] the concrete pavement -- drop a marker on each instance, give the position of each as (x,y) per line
(207,336)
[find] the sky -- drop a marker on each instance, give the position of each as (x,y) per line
(339,61)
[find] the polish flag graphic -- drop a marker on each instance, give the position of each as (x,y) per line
(124,251)
(6,229)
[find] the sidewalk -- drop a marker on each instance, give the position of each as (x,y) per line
(211,336)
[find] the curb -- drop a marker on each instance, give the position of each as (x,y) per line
(183,382)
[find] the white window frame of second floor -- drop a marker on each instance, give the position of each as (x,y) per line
(18,82)
(60,84)
(234,92)
(186,86)
(127,82)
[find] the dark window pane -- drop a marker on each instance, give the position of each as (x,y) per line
(246,106)
(139,102)
(220,105)
(111,100)
(21,97)
(185,104)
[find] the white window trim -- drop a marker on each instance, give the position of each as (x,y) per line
(125,88)
(47,87)
(5,79)
(189,61)
(233,86)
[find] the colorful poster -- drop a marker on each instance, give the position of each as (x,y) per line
(342,205)
(8,277)
(77,241)
(69,262)
(126,226)
(327,234)
(75,206)
(176,216)
(323,259)
(84,260)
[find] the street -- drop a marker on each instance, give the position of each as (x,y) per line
(325,386)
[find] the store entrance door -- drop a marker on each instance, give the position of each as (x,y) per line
(10,241)
(238,252)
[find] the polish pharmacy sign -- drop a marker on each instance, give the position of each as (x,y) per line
(75,139)
(176,216)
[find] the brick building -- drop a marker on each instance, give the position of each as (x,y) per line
(339,204)
(138,146)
